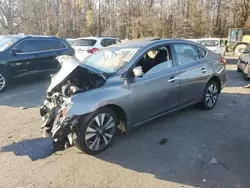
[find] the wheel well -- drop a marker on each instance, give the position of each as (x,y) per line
(217,80)
(121,115)
(3,68)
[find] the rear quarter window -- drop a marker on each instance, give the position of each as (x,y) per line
(202,52)
(84,42)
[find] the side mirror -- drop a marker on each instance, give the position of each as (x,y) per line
(138,71)
(15,51)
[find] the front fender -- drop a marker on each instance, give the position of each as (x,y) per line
(90,101)
(3,66)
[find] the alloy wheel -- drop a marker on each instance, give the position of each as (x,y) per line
(100,131)
(211,95)
(2,81)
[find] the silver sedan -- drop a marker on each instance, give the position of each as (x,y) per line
(126,85)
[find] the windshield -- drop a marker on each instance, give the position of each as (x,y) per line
(84,42)
(208,43)
(112,59)
(6,41)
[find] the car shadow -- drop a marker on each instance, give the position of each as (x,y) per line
(35,149)
(179,147)
(26,92)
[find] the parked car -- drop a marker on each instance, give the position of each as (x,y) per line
(243,63)
(216,45)
(71,41)
(194,40)
(84,47)
(126,85)
(25,55)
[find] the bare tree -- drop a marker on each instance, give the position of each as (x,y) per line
(123,18)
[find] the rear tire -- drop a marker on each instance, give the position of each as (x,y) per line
(246,77)
(246,73)
(210,96)
(238,69)
(97,131)
(4,81)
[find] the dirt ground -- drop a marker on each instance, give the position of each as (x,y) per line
(193,136)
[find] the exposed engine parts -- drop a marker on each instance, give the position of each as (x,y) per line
(74,86)
(57,126)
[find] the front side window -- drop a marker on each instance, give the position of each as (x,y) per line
(155,60)
(186,53)
(110,60)
(27,46)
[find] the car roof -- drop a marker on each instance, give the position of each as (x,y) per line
(145,42)
(208,39)
(96,38)
(32,36)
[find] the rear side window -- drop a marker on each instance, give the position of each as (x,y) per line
(112,41)
(186,53)
(104,42)
(202,52)
(108,42)
(29,46)
(84,42)
(44,45)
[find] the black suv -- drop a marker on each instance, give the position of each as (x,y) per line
(25,55)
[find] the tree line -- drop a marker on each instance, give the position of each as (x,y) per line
(123,18)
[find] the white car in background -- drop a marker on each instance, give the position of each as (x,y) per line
(71,41)
(216,45)
(86,46)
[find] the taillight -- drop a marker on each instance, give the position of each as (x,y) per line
(92,50)
(224,61)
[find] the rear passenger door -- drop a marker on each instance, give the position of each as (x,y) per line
(47,51)
(191,60)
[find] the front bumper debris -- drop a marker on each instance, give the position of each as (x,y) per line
(57,127)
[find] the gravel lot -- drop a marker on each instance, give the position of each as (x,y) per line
(193,136)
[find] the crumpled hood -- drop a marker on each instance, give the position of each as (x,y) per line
(68,66)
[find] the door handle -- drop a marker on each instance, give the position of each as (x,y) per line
(172,79)
(203,70)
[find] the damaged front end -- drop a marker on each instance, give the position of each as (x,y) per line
(56,125)
(72,79)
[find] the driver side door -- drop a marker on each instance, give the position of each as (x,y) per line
(22,57)
(156,92)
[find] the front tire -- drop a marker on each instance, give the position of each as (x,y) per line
(97,131)
(238,68)
(4,81)
(210,96)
